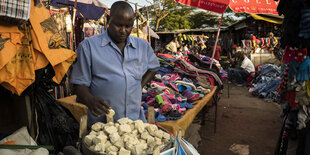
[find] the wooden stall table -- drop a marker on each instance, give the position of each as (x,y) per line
(78,110)
(183,123)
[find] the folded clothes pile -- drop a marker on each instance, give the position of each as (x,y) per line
(177,87)
(266,82)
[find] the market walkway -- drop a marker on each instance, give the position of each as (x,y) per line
(242,119)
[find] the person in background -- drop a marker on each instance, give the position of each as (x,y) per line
(218,50)
(179,54)
(173,46)
(112,68)
(185,48)
(243,72)
(273,41)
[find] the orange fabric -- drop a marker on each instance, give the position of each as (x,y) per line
(50,42)
(18,71)
(10,37)
(31,48)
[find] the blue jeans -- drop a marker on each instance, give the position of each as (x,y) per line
(239,74)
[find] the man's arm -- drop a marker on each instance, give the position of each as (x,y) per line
(147,77)
(169,46)
(96,105)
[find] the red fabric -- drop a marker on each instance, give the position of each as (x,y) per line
(218,6)
(254,6)
(166,55)
(291,54)
(249,6)
(217,52)
(290,96)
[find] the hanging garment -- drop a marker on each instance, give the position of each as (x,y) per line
(10,41)
(24,50)
(49,42)
(15,11)
(16,58)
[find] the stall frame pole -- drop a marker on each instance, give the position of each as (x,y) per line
(217,38)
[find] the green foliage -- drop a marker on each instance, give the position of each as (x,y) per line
(177,18)
(230,17)
(203,19)
(174,16)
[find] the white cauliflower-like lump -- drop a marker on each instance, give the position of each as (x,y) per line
(114,137)
(123,151)
(89,139)
(110,129)
(126,137)
(139,125)
(124,128)
(124,120)
(97,126)
(100,139)
(112,149)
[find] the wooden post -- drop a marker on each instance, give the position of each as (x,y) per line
(83,126)
(150,114)
(148,27)
(137,19)
(217,38)
(105,19)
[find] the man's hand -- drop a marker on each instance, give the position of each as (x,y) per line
(96,105)
(147,77)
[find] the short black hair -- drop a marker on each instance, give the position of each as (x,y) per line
(120,6)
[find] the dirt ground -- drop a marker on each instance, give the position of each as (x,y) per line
(242,119)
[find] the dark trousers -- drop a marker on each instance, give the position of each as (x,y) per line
(238,74)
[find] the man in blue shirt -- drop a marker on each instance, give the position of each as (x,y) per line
(112,68)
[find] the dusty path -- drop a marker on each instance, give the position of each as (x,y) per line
(242,119)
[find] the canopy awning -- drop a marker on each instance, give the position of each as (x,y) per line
(272,19)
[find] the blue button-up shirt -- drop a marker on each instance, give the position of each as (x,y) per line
(113,77)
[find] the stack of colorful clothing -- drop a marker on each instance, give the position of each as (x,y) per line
(177,86)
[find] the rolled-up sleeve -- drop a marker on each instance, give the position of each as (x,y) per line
(153,63)
(81,71)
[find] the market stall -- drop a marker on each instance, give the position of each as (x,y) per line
(78,110)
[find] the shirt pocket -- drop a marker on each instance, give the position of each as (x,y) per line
(138,69)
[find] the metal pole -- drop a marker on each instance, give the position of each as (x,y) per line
(217,37)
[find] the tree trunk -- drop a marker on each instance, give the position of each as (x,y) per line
(157,24)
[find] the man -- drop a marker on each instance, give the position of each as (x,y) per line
(173,46)
(240,74)
(112,68)
(273,41)
(218,50)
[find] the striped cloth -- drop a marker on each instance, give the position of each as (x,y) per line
(17,9)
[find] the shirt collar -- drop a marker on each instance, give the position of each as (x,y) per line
(106,40)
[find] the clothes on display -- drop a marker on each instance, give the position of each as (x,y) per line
(178,85)
(266,82)
(293,90)
(23,51)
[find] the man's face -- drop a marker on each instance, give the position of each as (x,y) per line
(120,26)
